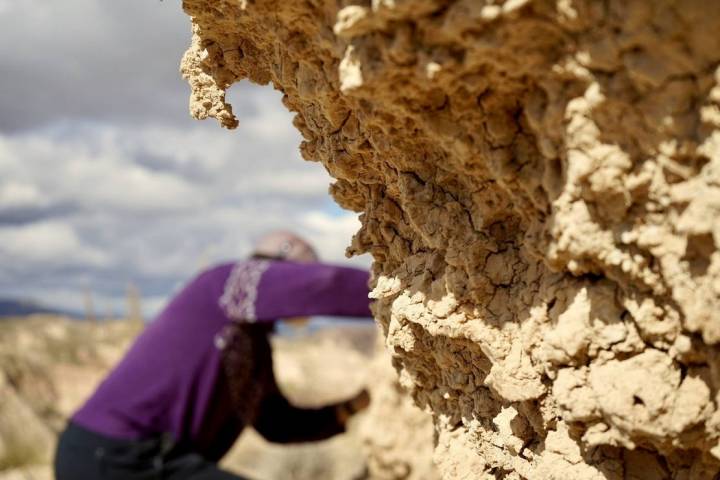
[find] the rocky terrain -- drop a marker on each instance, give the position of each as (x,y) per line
(48,366)
(539,186)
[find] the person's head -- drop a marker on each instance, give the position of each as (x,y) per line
(284,245)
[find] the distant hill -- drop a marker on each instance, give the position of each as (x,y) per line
(10,307)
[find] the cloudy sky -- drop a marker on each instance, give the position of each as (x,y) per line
(106,181)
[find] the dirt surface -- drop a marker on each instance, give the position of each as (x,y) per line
(540,189)
(48,367)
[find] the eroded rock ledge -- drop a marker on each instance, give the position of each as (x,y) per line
(540,189)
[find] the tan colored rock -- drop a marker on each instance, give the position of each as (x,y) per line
(41,472)
(26,439)
(540,189)
(398,437)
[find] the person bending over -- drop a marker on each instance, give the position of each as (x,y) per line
(202,371)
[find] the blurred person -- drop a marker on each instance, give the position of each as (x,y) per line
(202,371)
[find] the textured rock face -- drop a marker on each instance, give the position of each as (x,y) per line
(397,436)
(540,188)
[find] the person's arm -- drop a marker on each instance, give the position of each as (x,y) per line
(266,290)
(281,422)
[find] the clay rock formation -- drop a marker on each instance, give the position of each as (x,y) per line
(397,436)
(539,183)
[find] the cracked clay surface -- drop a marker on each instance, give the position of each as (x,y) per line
(539,186)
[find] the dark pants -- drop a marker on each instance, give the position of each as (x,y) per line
(85,455)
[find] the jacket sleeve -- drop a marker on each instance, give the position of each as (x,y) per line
(281,422)
(266,290)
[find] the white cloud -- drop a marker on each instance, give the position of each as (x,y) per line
(5,6)
(308,183)
(96,176)
(332,234)
(130,187)
(152,206)
(20,195)
(50,243)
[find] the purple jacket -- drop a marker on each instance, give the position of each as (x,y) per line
(172,379)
